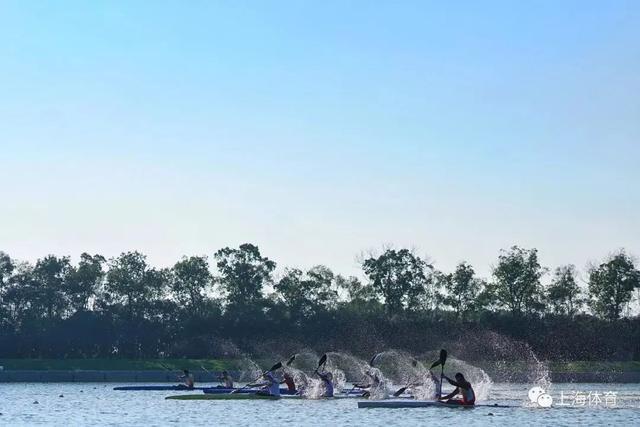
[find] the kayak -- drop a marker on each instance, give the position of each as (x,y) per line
(393,404)
(224,390)
(212,390)
(283,391)
(159,388)
(254,395)
(233,396)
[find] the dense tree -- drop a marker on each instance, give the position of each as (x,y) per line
(516,285)
(50,276)
(132,284)
(6,268)
(84,281)
(126,308)
(306,294)
(191,281)
(19,296)
(564,294)
(462,289)
(611,285)
(243,275)
(401,278)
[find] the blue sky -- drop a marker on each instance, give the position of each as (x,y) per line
(319,130)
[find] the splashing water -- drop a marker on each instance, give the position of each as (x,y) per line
(407,371)
(306,362)
(478,378)
(510,360)
(249,370)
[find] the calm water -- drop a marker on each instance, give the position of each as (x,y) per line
(98,404)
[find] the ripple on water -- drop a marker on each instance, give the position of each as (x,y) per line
(103,406)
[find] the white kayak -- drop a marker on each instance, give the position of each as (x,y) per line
(393,404)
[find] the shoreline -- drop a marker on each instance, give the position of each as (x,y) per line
(153,376)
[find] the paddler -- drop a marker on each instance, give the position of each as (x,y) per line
(270,386)
(288,380)
(226,379)
(371,385)
(187,378)
(463,388)
(327,380)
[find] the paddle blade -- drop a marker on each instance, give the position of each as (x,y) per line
(400,391)
(275,367)
(434,364)
(322,360)
(291,359)
(373,359)
(414,363)
(443,356)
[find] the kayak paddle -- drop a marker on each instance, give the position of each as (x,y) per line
(273,368)
(291,359)
(373,359)
(322,361)
(441,361)
(371,362)
(414,363)
(400,391)
(168,369)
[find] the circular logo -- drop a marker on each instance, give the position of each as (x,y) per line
(535,393)
(545,400)
(540,397)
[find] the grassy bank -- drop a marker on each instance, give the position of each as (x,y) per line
(118,364)
(220,364)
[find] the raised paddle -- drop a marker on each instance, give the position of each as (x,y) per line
(441,361)
(322,362)
(273,368)
(208,372)
(166,368)
(373,359)
(291,359)
(371,362)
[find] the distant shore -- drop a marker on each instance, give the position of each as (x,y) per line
(165,370)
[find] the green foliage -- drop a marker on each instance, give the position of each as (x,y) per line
(359,297)
(124,308)
(306,295)
(6,268)
(564,294)
(462,289)
(83,282)
(243,275)
(611,285)
(401,279)
(132,284)
(50,275)
(516,284)
(191,280)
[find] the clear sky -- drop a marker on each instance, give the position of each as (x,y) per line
(320,129)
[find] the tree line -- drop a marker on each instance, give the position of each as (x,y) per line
(235,302)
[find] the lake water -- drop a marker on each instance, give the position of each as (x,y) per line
(71,404)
